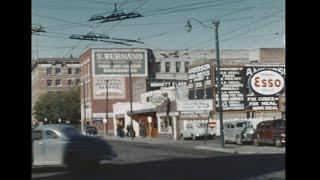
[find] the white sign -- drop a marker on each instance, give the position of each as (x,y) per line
(104,120)
(267,82)
(116,87)
(195,105)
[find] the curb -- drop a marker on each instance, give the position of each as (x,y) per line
(215,149)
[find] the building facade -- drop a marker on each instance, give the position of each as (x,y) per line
(54,75)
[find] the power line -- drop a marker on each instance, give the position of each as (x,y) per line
(237,35)
(253,22)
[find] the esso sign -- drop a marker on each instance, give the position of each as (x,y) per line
(267,82)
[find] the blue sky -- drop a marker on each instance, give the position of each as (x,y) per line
(244,24)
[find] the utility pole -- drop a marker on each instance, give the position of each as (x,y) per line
(188,27)
(216,26)
(107,82)
(84,105)
(130,79)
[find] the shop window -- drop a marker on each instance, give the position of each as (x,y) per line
(167,66)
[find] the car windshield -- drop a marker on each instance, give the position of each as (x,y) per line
(281,124)
(244,124)
(70,132)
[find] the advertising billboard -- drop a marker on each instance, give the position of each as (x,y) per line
(115,62)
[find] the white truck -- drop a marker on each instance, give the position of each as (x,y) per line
(196,128)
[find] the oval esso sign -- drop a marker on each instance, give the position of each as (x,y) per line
(267,82)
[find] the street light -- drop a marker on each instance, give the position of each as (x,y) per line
(188,27)
(59,120)
(130,79)
(107,83)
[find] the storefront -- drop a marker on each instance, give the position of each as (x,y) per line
(143,118)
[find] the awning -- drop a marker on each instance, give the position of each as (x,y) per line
(141,111)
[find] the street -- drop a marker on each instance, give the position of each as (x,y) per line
(138,160)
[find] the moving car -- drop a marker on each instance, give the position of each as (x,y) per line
(58,144)
(271,132)
(238,131)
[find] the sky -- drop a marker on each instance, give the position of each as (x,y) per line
(244,24)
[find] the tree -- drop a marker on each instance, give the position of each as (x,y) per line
(64,105)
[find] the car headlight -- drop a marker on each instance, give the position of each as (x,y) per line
(283,135)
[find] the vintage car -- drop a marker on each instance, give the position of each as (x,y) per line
(238,131)
(58,144)
(196,129)
(271,132)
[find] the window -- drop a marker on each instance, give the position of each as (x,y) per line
(178,66)
(49,83)
(77,81)
(186,64)
(69,70)
(58,70)
(261,126)
(158,66)
(167,64)
(37,135)
(77,70)
(267,125)
(49,71)
(231,126)
(50,134)
(70,82)
(58,82)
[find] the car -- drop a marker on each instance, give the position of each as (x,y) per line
(91,130)
(60,144)
(271,132)
(238,131)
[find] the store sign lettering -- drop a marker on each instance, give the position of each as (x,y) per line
(267,82)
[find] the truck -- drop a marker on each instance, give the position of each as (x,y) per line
(196,128)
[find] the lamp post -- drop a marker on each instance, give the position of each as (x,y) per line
(107,122)
(218,75)
(131,114)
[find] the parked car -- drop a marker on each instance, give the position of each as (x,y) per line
(238,131)
(91,130)
(58,144)
(195,130)
(271,132)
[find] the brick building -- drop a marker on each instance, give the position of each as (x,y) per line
(54,75)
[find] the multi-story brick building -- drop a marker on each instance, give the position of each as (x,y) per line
(54,75)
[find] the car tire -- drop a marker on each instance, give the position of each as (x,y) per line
(256,141)
(238,140)
(277,142)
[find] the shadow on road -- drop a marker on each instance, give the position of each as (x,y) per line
(221,167)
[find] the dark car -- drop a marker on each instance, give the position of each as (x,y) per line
(64,145)
(270,132)
(91,130)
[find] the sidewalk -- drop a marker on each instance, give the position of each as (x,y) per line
(243,149)
(212,145)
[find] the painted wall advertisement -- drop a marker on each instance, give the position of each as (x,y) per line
(251,87)
(116,87)
(116,62)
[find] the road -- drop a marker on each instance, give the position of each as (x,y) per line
(162,162)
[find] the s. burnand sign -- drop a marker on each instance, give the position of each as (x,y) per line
(267,82)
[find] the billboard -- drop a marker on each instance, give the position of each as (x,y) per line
(251,87)
(199,73)
(232,88)
(116,87)
(156,84)
(115,62)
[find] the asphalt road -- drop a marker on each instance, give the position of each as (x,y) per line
(163,162)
